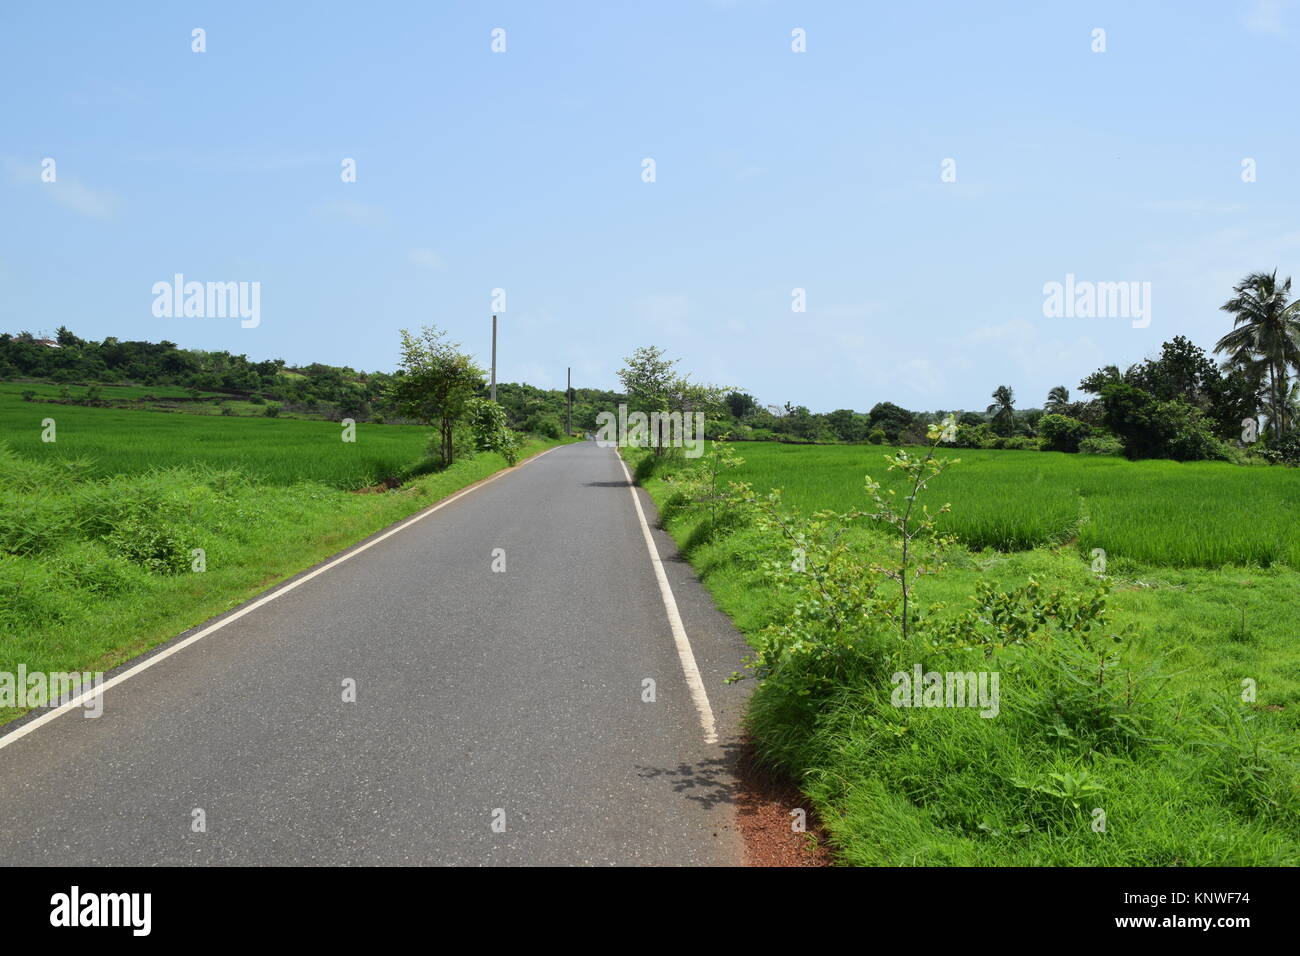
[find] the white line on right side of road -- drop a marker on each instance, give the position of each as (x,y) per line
(684,652)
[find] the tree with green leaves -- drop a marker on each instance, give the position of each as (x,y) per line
(648,377)
(1058,399)
(652,385)
(434,384)
(1265,338)
(740,404)
(1003,410)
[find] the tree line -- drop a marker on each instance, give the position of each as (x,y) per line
(1181,404)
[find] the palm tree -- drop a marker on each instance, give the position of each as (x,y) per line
(1058,399)
(1002,408)
(1266,337)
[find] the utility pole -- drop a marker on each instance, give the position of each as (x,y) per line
(568,395)
(494,356)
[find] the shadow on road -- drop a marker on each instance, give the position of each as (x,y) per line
(708,782)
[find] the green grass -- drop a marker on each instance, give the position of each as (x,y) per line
(1195,514)
(1219,783)
(97,530)
(277,451)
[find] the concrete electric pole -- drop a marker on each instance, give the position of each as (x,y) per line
(494,356)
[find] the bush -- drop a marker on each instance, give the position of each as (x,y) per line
(1020,443)
(548,426)
(877,436)
(974,436)
(89,566)
(487,420)
(1193,438)
(1283,451)
(1062,433)
(158,546)
(1101,445)
(272,410)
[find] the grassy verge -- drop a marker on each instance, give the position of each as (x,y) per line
(1184,771)
(94,571)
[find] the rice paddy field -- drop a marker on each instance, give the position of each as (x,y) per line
(278,451)
(1203,591)
(1172,514)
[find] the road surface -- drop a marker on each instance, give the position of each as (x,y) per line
(482,697)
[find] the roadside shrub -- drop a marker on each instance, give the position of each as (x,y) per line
(28,525)
(704,487)
(90,566)
(1101,445)
(1062,433)
(152,542)
(487,420)
(463,443)
(29,595)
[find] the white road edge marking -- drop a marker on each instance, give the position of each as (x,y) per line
(684,652)
(28,727)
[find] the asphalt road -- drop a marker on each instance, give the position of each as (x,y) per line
(476,692)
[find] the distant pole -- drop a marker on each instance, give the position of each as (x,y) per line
(494,356)
(568,394)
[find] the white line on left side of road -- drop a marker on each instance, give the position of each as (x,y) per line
(684,653)
(31,725)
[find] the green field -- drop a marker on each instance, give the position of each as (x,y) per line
(277,451)
(1193,514)
(99,529)
(1186,770)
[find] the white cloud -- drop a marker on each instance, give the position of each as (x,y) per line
(357,213)
(66,191)
(1023,342)
(428,259)
(663,313)
(1265,16)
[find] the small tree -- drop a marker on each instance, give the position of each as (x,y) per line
(911,525)
(487,420)
(434,383)
(649,379)
(652,385)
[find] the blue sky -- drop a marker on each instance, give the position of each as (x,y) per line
(775,170)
